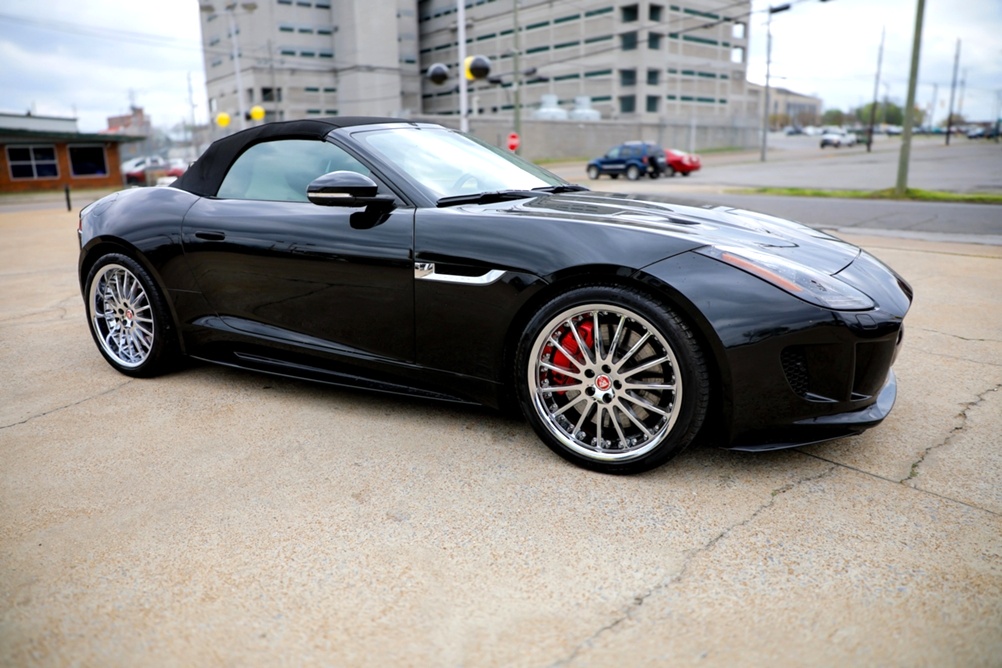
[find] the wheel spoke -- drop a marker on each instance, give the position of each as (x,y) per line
(570,404)
(585,350)
(615,423)
(615,339)
(582,420)
(565,352)
(646,365)
(549,389)
(599,416)
(651,387)
(596,334)
(633,418)
(566,372)
(633,351)
(645,404)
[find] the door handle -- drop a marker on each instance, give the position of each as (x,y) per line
(210,236)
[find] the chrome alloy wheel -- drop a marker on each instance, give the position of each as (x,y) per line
(605,382)
(121,315)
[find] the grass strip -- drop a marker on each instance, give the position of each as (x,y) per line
(911,194)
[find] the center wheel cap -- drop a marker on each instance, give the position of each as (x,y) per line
(602,383)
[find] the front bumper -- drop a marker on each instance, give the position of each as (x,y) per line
(825,427)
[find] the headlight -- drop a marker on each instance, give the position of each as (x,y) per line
(798,280)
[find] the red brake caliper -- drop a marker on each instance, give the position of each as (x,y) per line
(570,344)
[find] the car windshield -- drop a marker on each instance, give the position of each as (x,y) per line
(446,163)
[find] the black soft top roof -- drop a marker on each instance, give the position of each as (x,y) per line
(206,173)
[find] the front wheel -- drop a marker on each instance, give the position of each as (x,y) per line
(128,317)
(612,380)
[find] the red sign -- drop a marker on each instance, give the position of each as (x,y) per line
(513,141)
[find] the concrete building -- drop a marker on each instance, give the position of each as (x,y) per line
(786,106)
(634,59)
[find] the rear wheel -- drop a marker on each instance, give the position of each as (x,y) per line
(128,317)
(671,171)
(611,380)
(633,172)
(593,172)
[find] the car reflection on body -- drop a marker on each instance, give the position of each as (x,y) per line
(409,258)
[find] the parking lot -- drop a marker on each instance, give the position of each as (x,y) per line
(217,517)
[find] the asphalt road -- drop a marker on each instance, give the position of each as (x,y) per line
(966,167)
(215,517)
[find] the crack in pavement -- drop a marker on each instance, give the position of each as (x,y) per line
(71,405)
(955,336)
(690,556)
(956,431)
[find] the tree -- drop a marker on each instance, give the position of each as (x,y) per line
(833,117)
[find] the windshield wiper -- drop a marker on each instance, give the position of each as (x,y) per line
(487,197)
(563,188)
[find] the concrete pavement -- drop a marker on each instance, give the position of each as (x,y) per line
(215,517)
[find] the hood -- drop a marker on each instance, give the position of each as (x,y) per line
(699,224)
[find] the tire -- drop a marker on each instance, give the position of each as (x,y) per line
(671,171)
(593,172)
(633,172)
(129,319)
(655,174)
(686,173)
(615,354)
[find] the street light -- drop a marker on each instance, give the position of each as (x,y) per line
(768,66)
(230,9)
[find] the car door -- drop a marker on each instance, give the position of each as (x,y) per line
(614,162)
(274,265)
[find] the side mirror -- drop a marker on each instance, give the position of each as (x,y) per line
(345,189)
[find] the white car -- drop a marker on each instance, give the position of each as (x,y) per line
(837,137)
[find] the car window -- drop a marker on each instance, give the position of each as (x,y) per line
(281,170)
(613,153)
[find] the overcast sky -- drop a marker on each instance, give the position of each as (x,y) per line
(90,58)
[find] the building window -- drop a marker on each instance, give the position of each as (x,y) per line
(629,13)
(628,40)
(627,77)
(655,12)
(738,31)
(738,54)
(627,104)
(653,77)
(32,162)
(88,161)
(271,94)
(652,103)
(654,40)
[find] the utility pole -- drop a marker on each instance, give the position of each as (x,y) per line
(517,85)
(906,133)
(876,88)
(191,127)
(464,122)
(932,105)
(953,92)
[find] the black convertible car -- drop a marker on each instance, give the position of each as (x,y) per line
(407,257)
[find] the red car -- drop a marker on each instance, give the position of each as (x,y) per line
(681,162)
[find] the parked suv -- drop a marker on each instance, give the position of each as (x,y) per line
(634,158)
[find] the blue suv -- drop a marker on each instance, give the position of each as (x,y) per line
(634,158)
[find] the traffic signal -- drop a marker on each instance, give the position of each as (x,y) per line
(438,73)
(476,67)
